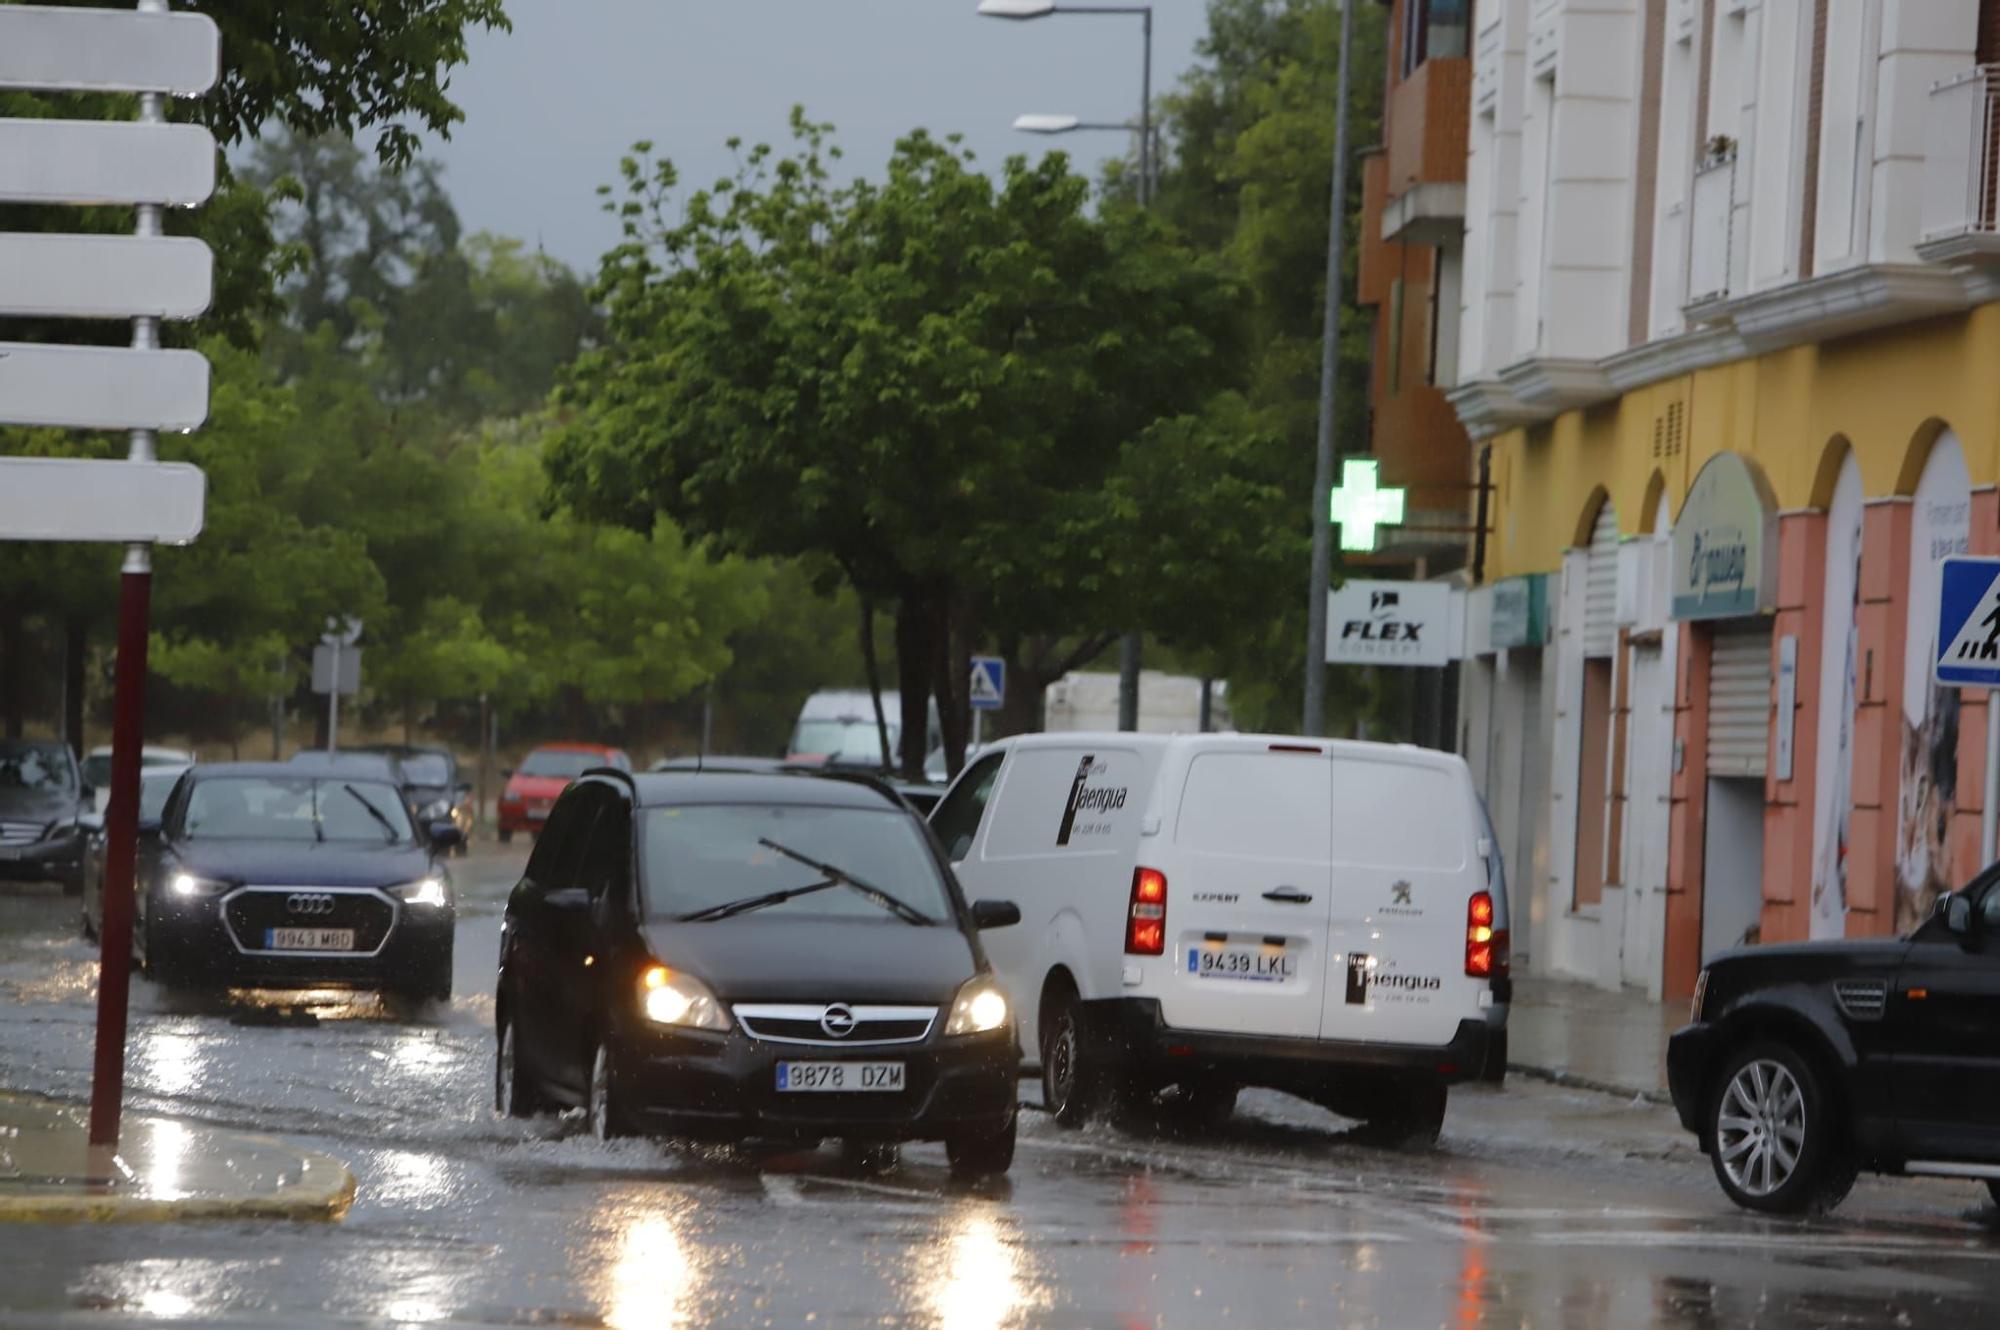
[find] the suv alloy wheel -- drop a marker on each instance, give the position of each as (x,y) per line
(1777,1141)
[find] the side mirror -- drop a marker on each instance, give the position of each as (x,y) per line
(91,823)
(445,834)
(995,914)
(87,793)
(462,789)
(149,828)
(1957,912)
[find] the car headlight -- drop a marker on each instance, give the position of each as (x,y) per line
(979,1008)
(669,997)
(187,886)
(425,891)
(435,810)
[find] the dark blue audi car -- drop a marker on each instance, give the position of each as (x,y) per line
(270,876)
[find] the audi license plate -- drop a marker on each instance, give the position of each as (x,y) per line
(1266,964)
(840,1077)
(309,939)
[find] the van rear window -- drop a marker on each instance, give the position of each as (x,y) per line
(1398,815)
(1256,806)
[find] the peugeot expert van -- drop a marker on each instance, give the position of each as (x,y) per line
(1204,912)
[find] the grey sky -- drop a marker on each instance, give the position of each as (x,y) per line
(550,107)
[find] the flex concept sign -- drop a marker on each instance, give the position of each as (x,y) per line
(1390,623)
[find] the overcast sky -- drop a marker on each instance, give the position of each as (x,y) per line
(550,107)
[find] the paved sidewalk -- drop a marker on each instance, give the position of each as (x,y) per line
(163,1170)
(1600,1039)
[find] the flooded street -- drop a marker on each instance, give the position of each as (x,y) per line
(1543,1206)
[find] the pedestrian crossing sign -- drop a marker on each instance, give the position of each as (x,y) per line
(1968,628)
(989,683)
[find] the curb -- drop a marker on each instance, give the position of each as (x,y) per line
(1571,1081)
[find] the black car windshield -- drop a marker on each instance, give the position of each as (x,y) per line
(426,769)
(296,808)
(701,856)
(39,767)
(560,762)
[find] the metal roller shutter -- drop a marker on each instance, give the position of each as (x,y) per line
(1739,700)
(1600,584)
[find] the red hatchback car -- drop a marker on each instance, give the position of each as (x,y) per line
(543,775)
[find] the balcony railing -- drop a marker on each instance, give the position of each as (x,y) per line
(1962,157)
(1713,216)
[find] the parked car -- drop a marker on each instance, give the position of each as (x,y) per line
(1204,912)
(431,785)
(544,774)
(728,956)
(1808,1063)
(42,794)
(155,784)
(270,875)
(836,728)
(97,768)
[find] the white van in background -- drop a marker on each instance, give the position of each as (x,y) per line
(1168,703)
(836,726)
(1203,912)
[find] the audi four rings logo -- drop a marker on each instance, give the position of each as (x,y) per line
(837,1020)
(309,902)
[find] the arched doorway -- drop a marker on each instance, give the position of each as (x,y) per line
(1927,791)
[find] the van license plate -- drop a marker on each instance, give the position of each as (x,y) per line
(309,939)
(1256,964)
(840,1077)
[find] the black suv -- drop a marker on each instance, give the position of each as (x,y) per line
(726,956)
(42,795)
(1808,1063)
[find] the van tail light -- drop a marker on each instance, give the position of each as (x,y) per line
(1146,922)
(1485,945)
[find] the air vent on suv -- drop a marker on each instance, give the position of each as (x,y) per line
(1862,999)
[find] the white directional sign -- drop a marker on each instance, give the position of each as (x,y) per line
(107,50)
(44,498)
(99,387)
(104,277)
(105,161)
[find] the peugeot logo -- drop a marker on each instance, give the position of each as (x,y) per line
(1402,891)
(837,1020)
(309,902)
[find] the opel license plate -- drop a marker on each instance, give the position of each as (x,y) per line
(840,1077)
(309,939)
(1267,965)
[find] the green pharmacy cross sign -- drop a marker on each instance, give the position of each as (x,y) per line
(1360,504)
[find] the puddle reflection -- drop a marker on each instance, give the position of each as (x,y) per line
(653,1282)
(174,1062)
(977,1281)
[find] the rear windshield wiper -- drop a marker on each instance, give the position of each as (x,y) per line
(901,909)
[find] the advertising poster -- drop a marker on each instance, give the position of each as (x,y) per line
(1833,800)
(1928,786)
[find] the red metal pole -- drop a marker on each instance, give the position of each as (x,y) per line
(107,1080)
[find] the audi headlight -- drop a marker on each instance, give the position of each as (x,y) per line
(436,810)
(187,886)
(425,891)
(979,1008)
(669,997)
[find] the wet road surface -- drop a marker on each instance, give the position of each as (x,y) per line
(1543,1207)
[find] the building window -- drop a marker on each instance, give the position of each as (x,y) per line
(1434,30)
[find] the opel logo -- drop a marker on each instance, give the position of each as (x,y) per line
(837,1020)
(309,902)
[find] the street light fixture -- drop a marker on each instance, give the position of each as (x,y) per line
(1130,644)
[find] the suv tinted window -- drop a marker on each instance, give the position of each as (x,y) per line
(956,819)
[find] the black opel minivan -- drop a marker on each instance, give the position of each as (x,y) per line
(726,956)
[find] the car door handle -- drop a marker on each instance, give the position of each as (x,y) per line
(1289,896)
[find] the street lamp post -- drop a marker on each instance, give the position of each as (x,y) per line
(1131,643)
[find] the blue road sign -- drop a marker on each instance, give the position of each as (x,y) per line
(989,683)
(1968,629)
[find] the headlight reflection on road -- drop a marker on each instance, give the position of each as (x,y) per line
(175,1063)
(977,1282)
(652,1282)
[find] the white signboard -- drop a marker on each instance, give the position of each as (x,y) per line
(1390,623)
(323,667)
(104,277)
(44,498)
(105,162)
(107,50)
(98,387)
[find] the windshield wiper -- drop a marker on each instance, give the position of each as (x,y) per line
(901,909)
(374,812)
(749,903)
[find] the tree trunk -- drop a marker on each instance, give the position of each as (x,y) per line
(13,645)
(874,668)
(76,648)
(951,658)
(913,672)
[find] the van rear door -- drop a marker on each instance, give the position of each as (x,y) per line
(1404,872)
(1248,880)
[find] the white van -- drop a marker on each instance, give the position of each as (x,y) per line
(1202,912)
